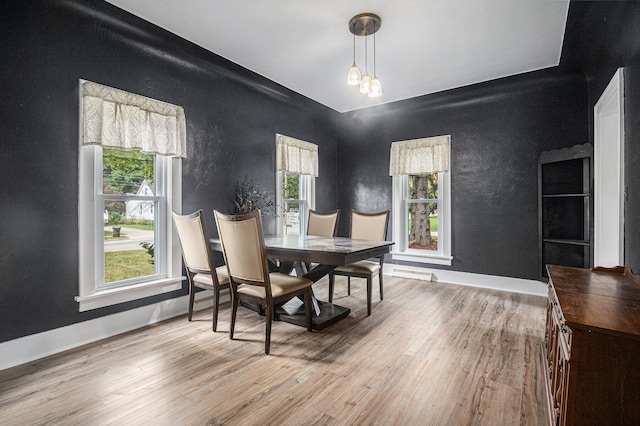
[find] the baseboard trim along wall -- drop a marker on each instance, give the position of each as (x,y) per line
(494,282)
(36,346)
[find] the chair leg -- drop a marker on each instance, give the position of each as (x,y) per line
(380,278)
(369,291)
(234,311)
(332,278)
(307,306)
(348,286)
(267,340)
(192,295)
(216,303)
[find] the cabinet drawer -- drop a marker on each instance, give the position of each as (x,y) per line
(593,346)
(564,335)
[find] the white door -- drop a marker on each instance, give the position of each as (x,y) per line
(608,162)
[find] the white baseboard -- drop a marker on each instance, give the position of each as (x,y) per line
(36,346)
(494,282)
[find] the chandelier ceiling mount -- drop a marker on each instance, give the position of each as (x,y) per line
(364,25)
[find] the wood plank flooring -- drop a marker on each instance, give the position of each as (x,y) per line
(430,354)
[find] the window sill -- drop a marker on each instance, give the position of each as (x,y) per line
(412,256)
(114,296)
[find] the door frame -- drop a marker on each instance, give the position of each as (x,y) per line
(608,173)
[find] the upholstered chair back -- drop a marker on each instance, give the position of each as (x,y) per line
(243,246)
(323,224)
(193,240)
(369,226)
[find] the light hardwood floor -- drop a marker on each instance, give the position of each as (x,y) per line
(430,354)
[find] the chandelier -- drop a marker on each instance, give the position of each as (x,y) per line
(364,25)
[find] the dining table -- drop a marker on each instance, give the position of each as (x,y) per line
(314,257)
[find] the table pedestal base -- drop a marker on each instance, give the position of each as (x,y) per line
(293,312)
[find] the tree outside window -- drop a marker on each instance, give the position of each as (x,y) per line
(422,206)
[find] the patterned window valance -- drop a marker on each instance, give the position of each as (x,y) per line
(118,119)
(420,156)
(296,156)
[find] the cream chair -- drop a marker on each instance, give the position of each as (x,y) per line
(248,269)
(323,224)
(320,225)
(364,226)
(198,261)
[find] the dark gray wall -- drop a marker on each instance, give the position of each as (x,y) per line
(507,122)
(232,118)
(498,129)
(601,37)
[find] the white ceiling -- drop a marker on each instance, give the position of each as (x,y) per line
(423,46)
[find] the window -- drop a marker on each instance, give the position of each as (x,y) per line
(297,165)
(296,195)
(127,191)
(133,199)
(421,201)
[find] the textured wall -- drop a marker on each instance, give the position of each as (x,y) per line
(498,129)
(601,37)
(232,118)
(632,166)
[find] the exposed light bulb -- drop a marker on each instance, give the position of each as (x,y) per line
(365,83)
(375,88)
(353,78)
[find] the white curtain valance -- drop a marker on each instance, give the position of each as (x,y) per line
(296,156)
(117,119)
(420,156)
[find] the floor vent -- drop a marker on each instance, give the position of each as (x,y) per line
(415,275)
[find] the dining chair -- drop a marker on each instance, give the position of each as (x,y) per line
(364,226)
(198,260)
(247,266)
(323,224)
(319,225)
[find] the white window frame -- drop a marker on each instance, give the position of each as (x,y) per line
(307,191)
(93,293)
(400,200)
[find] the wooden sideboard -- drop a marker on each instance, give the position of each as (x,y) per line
(592,346)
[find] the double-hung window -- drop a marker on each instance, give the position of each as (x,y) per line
(295,198)
(422,200)
(130,181)
(297,166)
